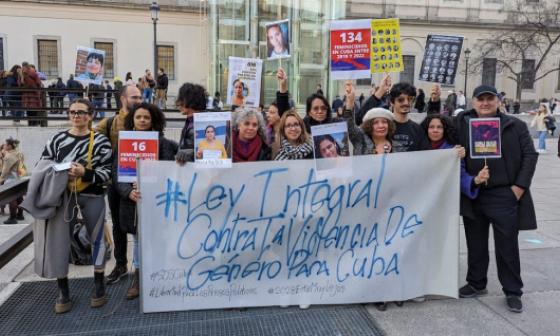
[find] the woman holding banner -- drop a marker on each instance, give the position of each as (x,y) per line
(85,158)
(144,117)
(249,143)
(292,142)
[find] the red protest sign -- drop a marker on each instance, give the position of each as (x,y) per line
(132,146)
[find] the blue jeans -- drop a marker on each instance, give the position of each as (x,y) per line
(98,104)
(147,95)
(135,257)
(542,138)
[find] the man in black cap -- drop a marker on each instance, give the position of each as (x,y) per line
(504,201)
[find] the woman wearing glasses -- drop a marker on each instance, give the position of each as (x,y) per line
(89,157)
(292,142)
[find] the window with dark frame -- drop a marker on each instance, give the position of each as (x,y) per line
(489,67)
(2,54)
(407,75)
(47,57)
(528,74)
(108,62)
(166,60)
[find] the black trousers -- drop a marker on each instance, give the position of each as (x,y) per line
(119,236)
(498,206)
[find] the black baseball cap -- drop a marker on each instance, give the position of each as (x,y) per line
(484,89)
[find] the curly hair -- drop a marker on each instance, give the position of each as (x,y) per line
(241,114)
(192,96)
(158,118)
(401,88)
(449,130)
(367,127)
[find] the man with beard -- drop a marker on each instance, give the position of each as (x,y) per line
(408,136)
(110,127)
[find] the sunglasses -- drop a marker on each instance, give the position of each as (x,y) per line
(78,113)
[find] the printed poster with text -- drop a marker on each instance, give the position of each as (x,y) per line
(350,49)
(132,145)
(386,52)
(244,82)
(484,138)
(441,59)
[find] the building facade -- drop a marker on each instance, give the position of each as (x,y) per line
(47,33)
(195,39)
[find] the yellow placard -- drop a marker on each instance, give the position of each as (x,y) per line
(386,52)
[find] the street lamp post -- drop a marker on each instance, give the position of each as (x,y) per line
(467,55)
(154,12)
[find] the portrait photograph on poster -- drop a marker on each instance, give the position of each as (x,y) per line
(485,138)
(244,82)
(89,65)
(213,139)
(278,39)
(330,145)
(441,59)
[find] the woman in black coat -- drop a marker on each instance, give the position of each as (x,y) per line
(144,117)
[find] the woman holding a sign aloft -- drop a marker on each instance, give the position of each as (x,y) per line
(248,137)
(374,135)
(144,117)
(86,156)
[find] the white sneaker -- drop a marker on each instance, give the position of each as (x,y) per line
(304,306)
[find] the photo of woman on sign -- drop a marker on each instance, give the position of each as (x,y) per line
(239,93)
(277,40)
(94,68)
(210,146)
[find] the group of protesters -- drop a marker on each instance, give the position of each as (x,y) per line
(492,191)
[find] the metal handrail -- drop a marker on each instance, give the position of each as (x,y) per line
(13,246)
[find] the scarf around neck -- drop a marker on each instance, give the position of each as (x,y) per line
(246,151)
(290,152)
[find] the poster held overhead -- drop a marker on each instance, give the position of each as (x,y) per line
(278,39)
(350,52)
(212,139)
(386,52)
(441,59)
(244,82)
(485,138)
(135,145)
(89,65)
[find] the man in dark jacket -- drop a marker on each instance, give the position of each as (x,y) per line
(161,89)
(504,201)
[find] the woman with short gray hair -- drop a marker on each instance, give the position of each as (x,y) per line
(248,138)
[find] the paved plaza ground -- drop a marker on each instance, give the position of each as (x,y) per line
(540,265)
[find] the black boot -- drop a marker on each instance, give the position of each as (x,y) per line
(98,297)
(63,303)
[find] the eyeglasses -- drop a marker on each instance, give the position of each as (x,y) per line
(294,126)
(78,113)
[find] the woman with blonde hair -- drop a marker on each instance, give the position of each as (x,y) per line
(540,125)
(293,141)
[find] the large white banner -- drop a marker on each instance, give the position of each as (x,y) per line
(271,233)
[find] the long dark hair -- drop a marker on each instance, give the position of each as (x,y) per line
(449,131)
(310,100)
(318,139)
(158,118)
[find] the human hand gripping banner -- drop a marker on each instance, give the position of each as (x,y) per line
(271,233)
